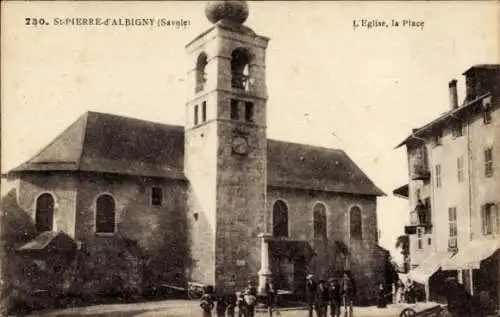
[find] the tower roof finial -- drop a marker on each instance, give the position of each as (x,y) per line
(231,11)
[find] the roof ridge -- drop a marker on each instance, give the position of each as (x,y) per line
(97,113)
(311,146)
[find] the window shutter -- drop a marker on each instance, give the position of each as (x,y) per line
(497,214)
(483,217)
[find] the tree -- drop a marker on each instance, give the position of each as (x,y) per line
(403,243)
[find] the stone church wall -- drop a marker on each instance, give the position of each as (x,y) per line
(149,247)
(62,186)
(365,264)
(150,243)
(152,247)
(23,274)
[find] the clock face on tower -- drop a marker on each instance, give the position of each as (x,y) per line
(240,145)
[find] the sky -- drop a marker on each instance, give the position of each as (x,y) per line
(361,90)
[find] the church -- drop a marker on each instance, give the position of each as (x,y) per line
(121,205)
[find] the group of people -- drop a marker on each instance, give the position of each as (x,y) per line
(225,305)
(336,294)
(405,292)
(320,297)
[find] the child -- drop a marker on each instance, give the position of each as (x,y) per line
(206,304)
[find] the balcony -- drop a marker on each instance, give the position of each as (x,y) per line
(420,217)
(419,167)
(420,171)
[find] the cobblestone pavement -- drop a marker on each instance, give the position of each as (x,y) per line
(180,308)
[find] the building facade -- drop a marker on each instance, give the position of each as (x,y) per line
(454,189)
(149,205)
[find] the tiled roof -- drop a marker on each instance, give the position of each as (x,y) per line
(106,143)
(444,119)
(462,112)
(47,238)
(483,66)
(303,166)
(99,142)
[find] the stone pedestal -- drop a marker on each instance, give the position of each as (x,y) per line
(265,271)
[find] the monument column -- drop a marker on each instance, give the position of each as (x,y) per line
(265,271)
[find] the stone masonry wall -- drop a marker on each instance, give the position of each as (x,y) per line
(200,165)
(149,247)
(62,187)
(365,265)
(241,207)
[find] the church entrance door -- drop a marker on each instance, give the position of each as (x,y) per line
(299,277)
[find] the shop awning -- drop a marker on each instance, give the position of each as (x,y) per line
(428,267)
(471,256)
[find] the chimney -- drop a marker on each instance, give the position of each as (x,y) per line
(453,94)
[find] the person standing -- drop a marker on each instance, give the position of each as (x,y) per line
(242,307)
(270,296)
(310,293)
(220,306)
(250,299)
(399,292)
(321,299)
(381,298)
(410,292)
(348,294)
(335,299)
(231,304)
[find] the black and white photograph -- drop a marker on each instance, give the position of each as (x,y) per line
(250,158)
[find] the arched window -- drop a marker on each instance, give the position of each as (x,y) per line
(356,228)
(201,64)
(105,214)
(240,71)
(44,212)
(319,217)
(280,219)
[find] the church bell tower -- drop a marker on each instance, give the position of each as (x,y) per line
(226,148)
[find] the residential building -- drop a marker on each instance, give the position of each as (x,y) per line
(454,189)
